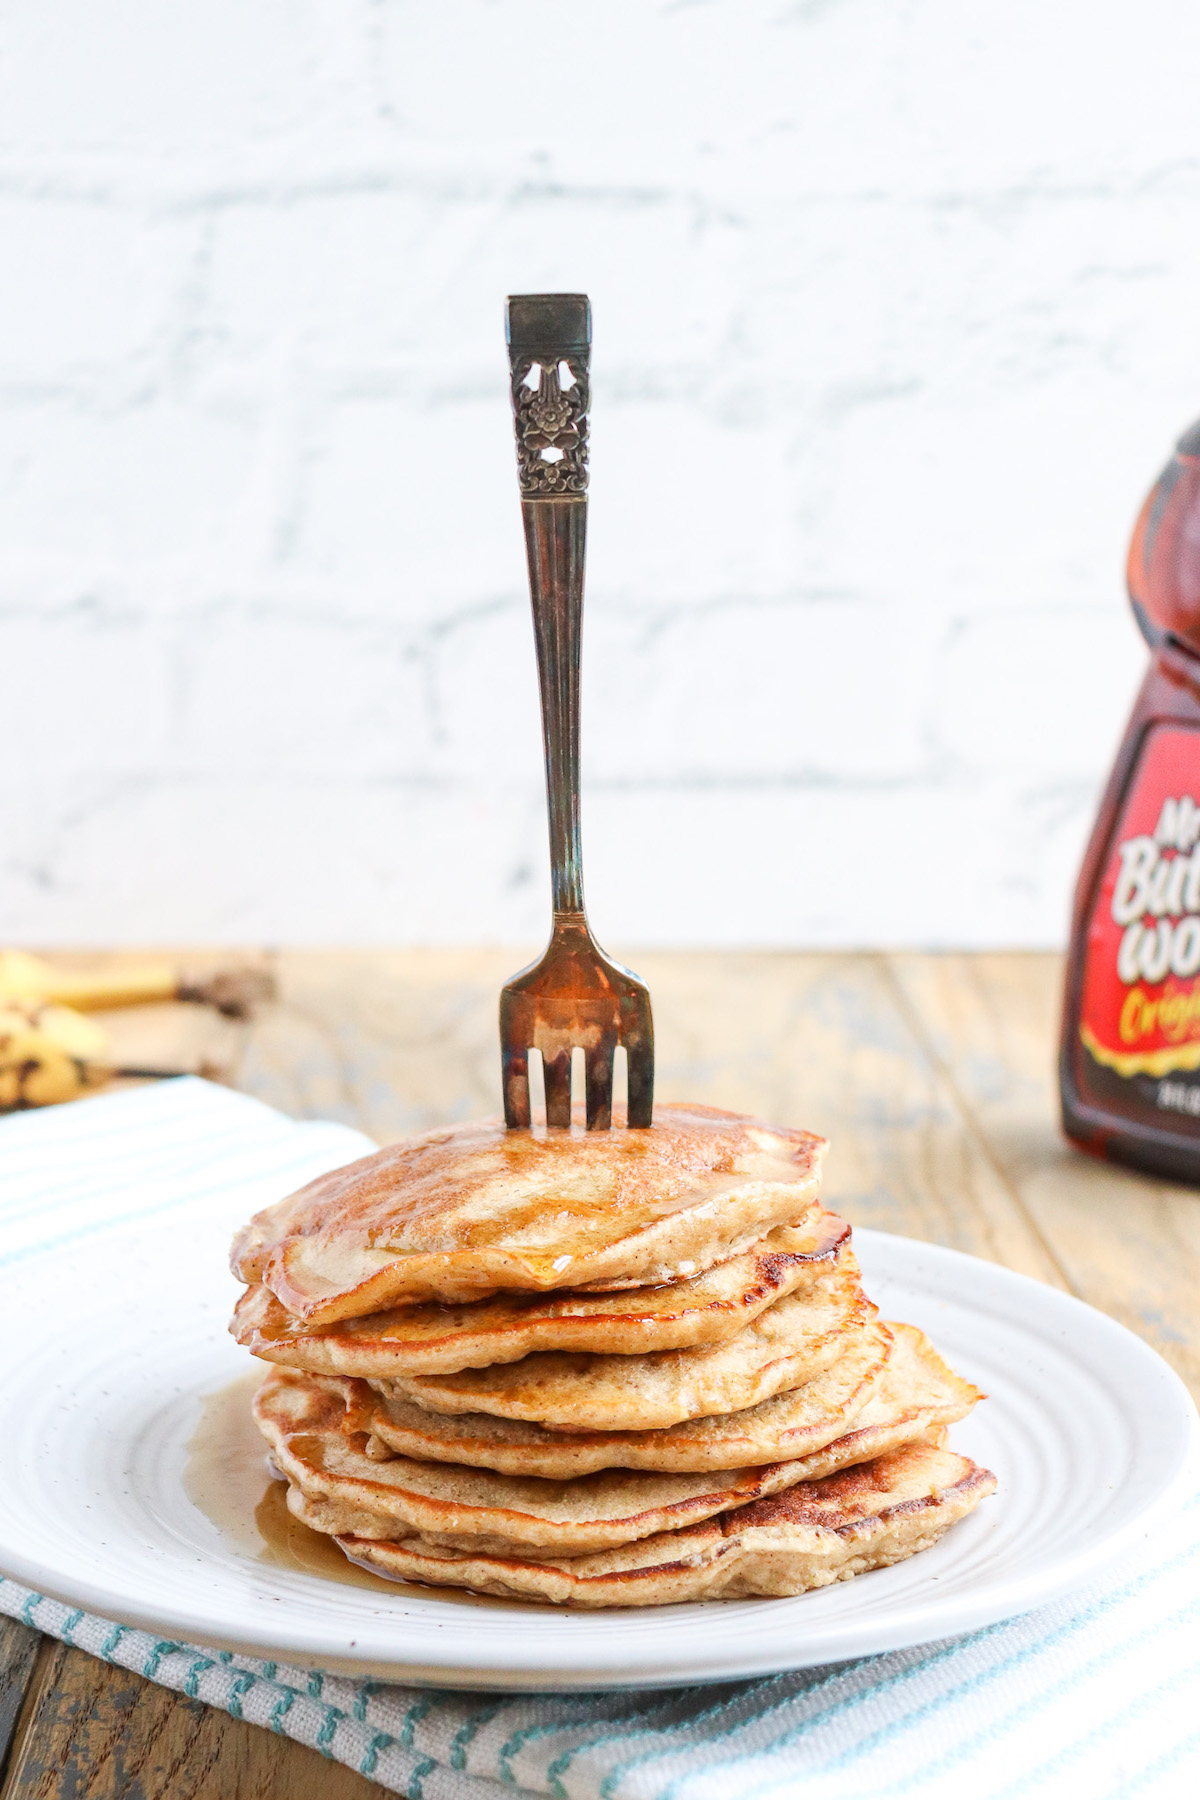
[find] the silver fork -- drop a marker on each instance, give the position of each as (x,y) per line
(574,996)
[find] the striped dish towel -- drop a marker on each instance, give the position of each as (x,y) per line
(1096,1695)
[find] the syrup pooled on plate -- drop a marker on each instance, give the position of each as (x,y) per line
(228,1478)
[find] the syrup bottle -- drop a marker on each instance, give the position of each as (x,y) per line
(1129,1063)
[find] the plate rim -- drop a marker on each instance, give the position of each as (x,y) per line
(707,1660)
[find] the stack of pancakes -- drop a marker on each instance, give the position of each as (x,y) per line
(602,1369)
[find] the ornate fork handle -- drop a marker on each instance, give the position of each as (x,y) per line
(549,344)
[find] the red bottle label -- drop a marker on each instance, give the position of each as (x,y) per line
(1140,1009)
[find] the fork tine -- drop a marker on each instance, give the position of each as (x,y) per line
(599,1072)
(640,1052)
(516,1086)
(558,1087)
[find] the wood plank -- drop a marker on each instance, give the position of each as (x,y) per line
(392,1041)
(91,1729)
(1129,1244)
(18,1654)
(818,1040)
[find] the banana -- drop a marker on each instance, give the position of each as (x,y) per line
(24,977)
(48,1053)
(236,992)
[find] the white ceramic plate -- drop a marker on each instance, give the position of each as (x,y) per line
(1092,1436)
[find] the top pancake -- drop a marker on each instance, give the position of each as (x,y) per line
(464,1211)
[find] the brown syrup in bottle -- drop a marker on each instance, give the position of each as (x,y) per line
(1129,1062)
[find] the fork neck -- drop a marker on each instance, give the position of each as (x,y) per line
(555,542)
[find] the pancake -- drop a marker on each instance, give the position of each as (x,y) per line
(304,1419)
(893,1387)
(463,1212)
(785,1346)
(429,1338)
(892,1380)
(813,1534)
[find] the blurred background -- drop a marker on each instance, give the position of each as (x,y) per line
(895,321)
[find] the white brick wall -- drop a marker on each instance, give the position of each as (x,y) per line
(896,317)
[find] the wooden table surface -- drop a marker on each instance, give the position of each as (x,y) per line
(932,1076)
